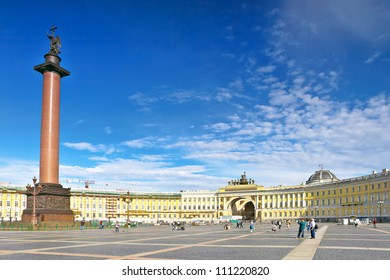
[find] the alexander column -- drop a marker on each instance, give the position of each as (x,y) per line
(47,200)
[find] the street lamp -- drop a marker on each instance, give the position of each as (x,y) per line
(380,203)
(127,199)
(34,191)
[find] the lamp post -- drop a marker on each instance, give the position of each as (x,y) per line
(127,199)
(34,191)
(380,203)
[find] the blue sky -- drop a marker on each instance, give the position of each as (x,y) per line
(186,95)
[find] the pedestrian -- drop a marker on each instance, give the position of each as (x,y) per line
(374,222)
(355,222)
(301,229)
(312,229)
(82,224)
(117,227)
(288,223)
(251,227)
(308,225)
(274,227)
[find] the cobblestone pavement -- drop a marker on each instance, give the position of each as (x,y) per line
(333,242)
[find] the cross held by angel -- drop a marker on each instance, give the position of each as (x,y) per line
(55,41)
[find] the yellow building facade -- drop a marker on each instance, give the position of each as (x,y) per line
(323,196)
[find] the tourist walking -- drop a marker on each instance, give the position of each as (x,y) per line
(312,229)
(374,222)
(117,227)
(301,229)
(288,223)
(251,227)
(82,224)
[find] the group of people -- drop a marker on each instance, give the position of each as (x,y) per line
(278,225)
(310,225)
(240,225)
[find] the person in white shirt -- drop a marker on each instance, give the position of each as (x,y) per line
(312,229)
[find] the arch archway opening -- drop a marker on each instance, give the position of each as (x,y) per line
(243,208)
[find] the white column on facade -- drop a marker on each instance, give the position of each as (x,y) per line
(283,201)
(303,199)
(293,200)
(299,200)
(262,201)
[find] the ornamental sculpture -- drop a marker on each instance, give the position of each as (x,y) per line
(242,181)
(55,41)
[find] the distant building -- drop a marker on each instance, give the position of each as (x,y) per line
(323,196)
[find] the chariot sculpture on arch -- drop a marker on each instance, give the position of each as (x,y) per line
(55,41)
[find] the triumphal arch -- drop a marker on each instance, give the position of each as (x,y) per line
(243,197)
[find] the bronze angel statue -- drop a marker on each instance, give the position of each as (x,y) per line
(55,41)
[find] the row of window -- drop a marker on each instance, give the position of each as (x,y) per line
(154,216)
(353,189)
(329,212)
(8,203)
(353,199)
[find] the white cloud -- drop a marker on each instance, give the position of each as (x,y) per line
(266,69)
(218,127)
(85,146)
(373,57)
(138,143)
(108,130)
